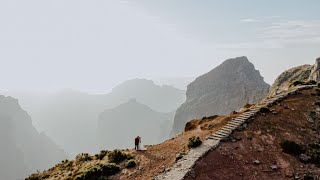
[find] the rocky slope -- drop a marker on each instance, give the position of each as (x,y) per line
(23,149)
(279,144)
(301,73)
(119,126)
(226,88)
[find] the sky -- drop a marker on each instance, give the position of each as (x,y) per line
(49,45)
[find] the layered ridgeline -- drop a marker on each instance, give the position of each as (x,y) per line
(71,117)
(302,74)
(119,126)
(23,149)
(224,89)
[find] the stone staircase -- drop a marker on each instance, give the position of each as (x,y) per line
(182,167)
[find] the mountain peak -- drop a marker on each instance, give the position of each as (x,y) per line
(219,91)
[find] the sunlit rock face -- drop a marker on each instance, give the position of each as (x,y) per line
(224,89)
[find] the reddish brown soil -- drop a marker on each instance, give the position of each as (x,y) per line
(159,157)
(261,141)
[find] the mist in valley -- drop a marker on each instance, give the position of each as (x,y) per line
(85,76)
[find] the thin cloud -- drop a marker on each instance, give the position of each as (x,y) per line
(250,20)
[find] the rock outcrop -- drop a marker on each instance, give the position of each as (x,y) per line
(301,73)
(315,72)
(23,149)
(226,88)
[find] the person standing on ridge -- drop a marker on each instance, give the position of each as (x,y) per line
(136,143)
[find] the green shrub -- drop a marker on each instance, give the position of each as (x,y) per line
(117,156)
(314,153)
(291,147)
(131,163)
(264,110)
(194,142)
(99,171)
(83,157)
(101,155)
(308,176)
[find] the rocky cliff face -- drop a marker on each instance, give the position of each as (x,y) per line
(23,149)
(226,88)
(301,73)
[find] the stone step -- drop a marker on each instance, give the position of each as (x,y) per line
(214,138)
(222,133)
(246,117)
(217,136)
(227,128)
(235,124)
(230,127)
(238,121)
(248,114)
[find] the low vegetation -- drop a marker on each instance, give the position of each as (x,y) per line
(264,110)
(291,147)
(83,157)
(102,154)
(117,156)
(98,171)
(194,142)
(314,152)
(131,163)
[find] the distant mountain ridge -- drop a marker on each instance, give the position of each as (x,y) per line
(224,89)
(119,126)
(56,113)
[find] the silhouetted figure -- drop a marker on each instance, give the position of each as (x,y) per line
(136,143)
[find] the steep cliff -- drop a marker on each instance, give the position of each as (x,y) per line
(224,89)
(23,149)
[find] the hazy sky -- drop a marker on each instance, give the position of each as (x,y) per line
(47,45)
